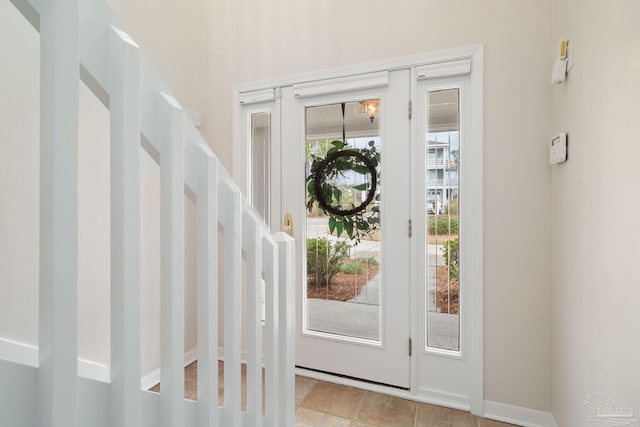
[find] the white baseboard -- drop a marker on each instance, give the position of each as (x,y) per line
(153,378)
(150,380)
(190,356)
(243,356)
(518,415)
(439,398)
(94,371)
(27,354)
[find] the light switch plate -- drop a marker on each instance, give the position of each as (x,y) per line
(558,149)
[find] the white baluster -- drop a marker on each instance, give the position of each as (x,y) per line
(172,259)
(251,236)
(287,328)
(270,272)
(207,241)
(59,64)
(231,206)
(125,229)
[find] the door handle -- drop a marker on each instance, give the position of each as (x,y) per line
(287,224)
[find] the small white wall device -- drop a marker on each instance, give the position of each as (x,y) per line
(558,149)
(562,61)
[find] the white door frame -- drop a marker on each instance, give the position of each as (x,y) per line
(472,263)
(434,365)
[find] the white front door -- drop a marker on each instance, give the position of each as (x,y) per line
(359,306)
(353,295)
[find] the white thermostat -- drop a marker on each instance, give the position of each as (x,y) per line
(558,149)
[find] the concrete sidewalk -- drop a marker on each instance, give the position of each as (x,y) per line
(360,316)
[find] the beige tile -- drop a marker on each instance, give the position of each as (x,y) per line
(190,390)
(220,383)
(436,416)
(491,423)
(244,387)
(308,418)
(382,410)
(359,424)
(334,399)
(303,387)
(191,372)
(324,404)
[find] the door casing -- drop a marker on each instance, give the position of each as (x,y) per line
(471,260)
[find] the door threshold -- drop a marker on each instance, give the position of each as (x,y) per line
(401,392)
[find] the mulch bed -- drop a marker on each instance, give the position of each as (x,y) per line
(443,291)
(346,286)
(343,287)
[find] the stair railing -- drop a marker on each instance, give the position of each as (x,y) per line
(84,40)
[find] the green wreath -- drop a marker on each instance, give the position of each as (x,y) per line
(357,221)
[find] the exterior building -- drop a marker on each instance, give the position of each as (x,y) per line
(442,178)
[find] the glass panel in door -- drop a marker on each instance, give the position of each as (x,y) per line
(260,164)
(442,153)
(343,280)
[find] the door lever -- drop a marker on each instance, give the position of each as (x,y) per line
(287,224)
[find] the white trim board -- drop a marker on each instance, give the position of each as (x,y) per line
(18,352)
(369,67)
(243,356)
(440,398)
(518,415)
(153,378)
(27,354)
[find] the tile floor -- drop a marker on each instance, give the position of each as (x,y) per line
(323,404)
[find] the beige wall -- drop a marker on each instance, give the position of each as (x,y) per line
(259,40)
(596,206)
(169,33)
(19,177)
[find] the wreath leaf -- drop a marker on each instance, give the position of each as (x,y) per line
(337,194)
(349,227)
(337,143)
(332,224)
